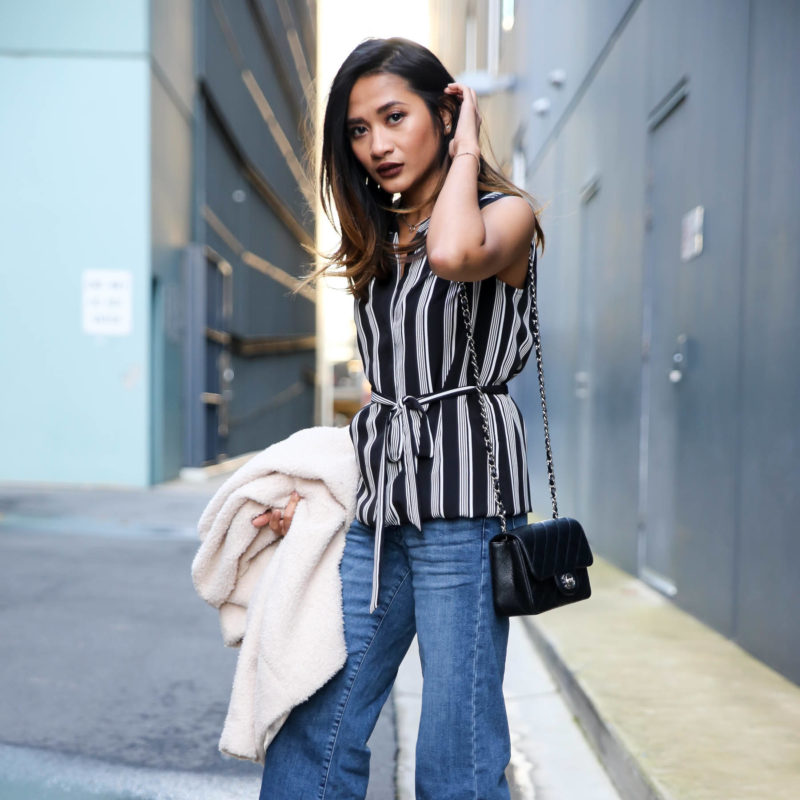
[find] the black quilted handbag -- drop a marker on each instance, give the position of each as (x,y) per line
(543,565)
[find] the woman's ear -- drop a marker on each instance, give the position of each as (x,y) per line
(447,121)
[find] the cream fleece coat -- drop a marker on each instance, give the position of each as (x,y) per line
(280,599)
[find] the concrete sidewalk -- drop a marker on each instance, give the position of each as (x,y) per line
(675,710)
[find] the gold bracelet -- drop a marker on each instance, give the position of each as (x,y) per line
(469,153)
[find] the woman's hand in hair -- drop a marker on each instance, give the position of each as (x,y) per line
(278,519)
(467,133)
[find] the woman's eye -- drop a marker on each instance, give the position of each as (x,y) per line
(396,116)
(356,131)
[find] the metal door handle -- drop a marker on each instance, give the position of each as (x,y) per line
(679,359)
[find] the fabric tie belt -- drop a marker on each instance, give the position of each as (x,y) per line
(408,437)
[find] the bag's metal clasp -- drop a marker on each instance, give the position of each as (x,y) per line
(568,581)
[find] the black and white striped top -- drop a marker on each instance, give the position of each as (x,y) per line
(419,442)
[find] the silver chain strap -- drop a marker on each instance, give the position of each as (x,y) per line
(465,310)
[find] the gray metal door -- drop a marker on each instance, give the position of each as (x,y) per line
(690,377)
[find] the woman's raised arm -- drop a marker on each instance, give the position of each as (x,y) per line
(465,242)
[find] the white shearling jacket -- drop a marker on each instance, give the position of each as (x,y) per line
(279,599)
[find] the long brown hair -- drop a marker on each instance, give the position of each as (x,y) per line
(364,210)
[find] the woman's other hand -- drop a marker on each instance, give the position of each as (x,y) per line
(278,519)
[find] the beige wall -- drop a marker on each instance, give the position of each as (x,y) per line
(502,111)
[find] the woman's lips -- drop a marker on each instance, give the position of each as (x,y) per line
(389,171)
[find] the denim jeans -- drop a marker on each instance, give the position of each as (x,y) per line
(436,584)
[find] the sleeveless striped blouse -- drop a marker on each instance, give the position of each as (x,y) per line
(419,442)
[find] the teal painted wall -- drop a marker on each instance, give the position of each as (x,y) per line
(98,27)
(75,189)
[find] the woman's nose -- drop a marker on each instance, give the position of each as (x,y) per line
(381,144)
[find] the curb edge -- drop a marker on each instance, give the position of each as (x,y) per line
(621,765)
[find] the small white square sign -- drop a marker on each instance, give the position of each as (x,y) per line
(107,301)
(692,233)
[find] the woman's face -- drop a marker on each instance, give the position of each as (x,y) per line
(393,135)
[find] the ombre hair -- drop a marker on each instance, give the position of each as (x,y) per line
(364,210)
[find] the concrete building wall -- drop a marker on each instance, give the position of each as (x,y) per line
(255,353)
(671,381)
(768,501)
(74,197)
(153,184)
(172,101)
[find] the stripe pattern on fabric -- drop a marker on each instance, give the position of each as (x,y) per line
(430,462)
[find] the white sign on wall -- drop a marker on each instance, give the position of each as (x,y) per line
(107,301)
(692,233)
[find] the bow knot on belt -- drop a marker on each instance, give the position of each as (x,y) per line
(408,422)
(408,437)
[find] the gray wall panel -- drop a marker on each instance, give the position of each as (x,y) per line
(305,14)
(171,167)
(614,384)
(272,17)
(245,30)
(223,176)
(709,45)
(262,307)
(270,309)
(560,322)
(223,81)
(768,590)
(253,216)
(725,490)
(595,251)
(569,35)
(270,401)
(524,387)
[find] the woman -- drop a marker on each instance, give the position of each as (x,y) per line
(416,556)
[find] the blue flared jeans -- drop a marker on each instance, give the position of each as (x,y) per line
(435,583)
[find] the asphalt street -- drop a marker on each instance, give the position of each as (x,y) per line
(114,681)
